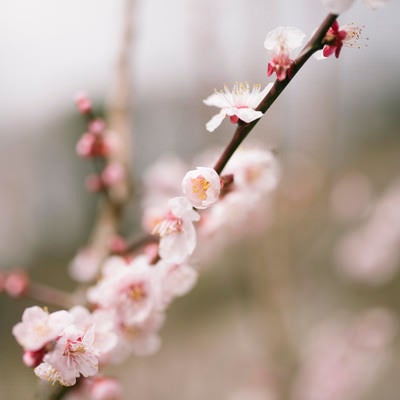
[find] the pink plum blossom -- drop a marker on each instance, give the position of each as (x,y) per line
(38,327)
(127,288)
(238,104)
(73,355)
(201,186)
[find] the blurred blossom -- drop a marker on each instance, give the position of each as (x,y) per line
(85,265)
(351,196)
(345,356)
(371,252)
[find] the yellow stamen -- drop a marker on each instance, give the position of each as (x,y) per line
(200,186)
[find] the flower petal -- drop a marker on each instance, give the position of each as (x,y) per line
(217,99)
(248,114)
(215,121)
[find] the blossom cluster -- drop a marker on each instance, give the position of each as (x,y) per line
(191,213)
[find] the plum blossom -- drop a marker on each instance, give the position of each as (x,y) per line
(201,186)
(280,42)
(105,338)
(340,6)
(141,339)
(38,327)
(73,355)
(176,230)
(238,104)
(127,288)
(336,37)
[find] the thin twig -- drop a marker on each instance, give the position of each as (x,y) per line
(111,207)
(49,295)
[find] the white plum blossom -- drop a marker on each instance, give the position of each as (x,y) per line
(176,230)
(38,327)
(340,6)
(281,42)
(201,186)
(238,104)
(73,355)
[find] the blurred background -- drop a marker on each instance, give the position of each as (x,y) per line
(317,293)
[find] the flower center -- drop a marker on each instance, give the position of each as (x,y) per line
(137,292)
(169,224)
(200,185)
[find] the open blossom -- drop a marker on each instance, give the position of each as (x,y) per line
(127,288)
(336,37)
(238,104)
(201,186)
(176,230)
(340,6)
(73,355)
(104,337)
(280,42)
(38,327)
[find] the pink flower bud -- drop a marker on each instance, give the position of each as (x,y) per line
(113,174)
(85,145)
(16,284)
(97,126)
(83,103)
(33,358)
(118,244)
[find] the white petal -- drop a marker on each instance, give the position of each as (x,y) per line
(217,99)
(215,121)
(288,37)
(337,6)
(177,247)
(248,114)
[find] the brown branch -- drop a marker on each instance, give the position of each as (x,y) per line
(49,295)
(110,211)
(243,129)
